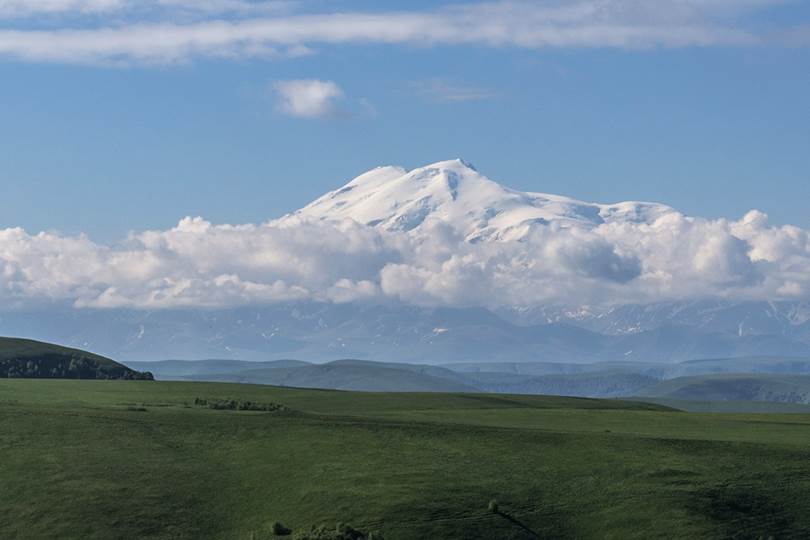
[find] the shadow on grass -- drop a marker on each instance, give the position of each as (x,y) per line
(748,512)
(514,521)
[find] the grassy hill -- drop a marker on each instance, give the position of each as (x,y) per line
(353,375)
(751,364)
(602,384)
(129,459)
(735,387)
(757,407)
(199,369)
(23,358)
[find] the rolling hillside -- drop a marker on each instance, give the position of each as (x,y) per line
(199,369)
(735,387)
(606,384)
(602,379)
(22,358)
(95,460)
(339,375)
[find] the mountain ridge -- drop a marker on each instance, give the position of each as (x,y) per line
(320,332)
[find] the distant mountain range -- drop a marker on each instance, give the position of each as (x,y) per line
(765,379)
(324,331)
(790,320)
(784,380)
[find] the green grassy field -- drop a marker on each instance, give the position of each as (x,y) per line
(83,460)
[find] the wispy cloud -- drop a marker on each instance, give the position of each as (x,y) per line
(17,9)
(308,98)
(238,28)
(444,91)
(27,8)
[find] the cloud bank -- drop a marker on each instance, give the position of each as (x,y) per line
(166,31)
(199,264)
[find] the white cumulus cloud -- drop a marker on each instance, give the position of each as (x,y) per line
(200,264)
(307,98)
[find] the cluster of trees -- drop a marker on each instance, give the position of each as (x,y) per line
(56,366)
(238,405)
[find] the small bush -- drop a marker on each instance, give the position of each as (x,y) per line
(280,530)
(238,405)
(341,532)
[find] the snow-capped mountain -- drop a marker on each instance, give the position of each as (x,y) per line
(395,324)
(454,193)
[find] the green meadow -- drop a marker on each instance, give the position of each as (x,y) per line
(139,459)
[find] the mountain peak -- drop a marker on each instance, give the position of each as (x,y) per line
(458,163)
(455,193)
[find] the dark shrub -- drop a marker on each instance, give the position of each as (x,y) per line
(341,532)
(280,530)
(238,405)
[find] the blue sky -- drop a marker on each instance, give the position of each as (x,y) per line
(104,136)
